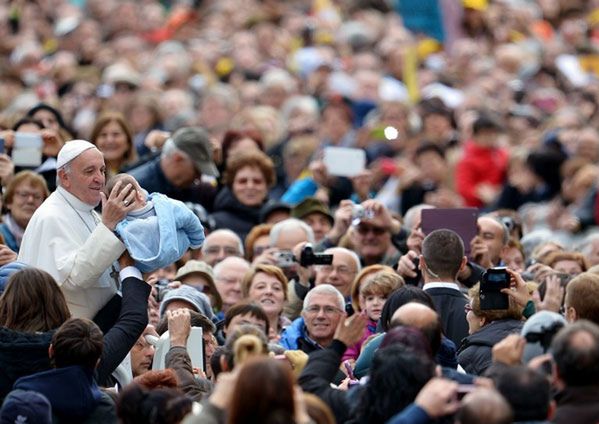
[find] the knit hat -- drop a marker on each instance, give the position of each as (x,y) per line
(71,150)
(7,270)
(198,301)
(25,407)
(311,205)
(199,267)
(539,330)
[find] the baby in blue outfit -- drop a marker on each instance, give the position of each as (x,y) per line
(159,230)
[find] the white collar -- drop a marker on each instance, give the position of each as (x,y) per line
(440,285)
(74,200)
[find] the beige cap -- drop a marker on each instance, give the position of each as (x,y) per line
(199,267)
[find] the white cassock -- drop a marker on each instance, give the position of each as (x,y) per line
(66,239)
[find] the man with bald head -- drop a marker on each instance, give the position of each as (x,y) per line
(488,246)
(484,406)
(80,248)
(221,244)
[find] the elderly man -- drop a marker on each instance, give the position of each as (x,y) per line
(142,353)
(341,272)
(315,329)
(185,157)
(79,246)
(488,246)
(228,275)
(221,244)
(372,235)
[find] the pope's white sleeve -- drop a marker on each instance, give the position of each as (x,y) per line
(82,266)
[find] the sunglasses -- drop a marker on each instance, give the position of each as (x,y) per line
(365,229)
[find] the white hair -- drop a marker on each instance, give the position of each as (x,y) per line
(66,168)
(306,104)
(227,262)
(586,245)
(290,224)
(409,218)
(227,232)
(326,289)
(351,253)
(278,78)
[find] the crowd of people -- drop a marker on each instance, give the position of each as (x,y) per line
(180,244)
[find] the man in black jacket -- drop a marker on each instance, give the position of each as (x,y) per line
(576,354)
(441,260)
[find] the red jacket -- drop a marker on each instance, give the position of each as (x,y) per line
(479,165)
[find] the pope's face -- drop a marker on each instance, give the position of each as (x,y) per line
(86,177)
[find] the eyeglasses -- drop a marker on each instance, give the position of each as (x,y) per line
(215,250)
(365,229)
(327,310)
(26,195)
(340,269)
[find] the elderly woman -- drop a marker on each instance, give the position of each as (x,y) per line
(247,179)
(572,263)
(113,138)
(24,194)
(266,285)
(486,328)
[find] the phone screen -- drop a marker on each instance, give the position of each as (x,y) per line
(491,297)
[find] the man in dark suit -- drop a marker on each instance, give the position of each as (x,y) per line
(441,261)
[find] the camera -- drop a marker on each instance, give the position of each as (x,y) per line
(308,257)
(359,212)
(162,288)
(493,281)
(285,259)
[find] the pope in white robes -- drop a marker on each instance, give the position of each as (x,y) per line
(72,242)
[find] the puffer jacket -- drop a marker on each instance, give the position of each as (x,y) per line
(475,352)
(21,354)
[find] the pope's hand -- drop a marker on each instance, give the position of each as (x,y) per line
(116,206)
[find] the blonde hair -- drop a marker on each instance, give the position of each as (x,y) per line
(246,347)
(382,283)
(368,271)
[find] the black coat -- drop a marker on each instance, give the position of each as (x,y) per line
(317,375)
(475,354)
(450,305)
(230,213)
(577,405)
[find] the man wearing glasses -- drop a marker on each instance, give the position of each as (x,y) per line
(371,235)
(221,244)
(322,311)
(341,272)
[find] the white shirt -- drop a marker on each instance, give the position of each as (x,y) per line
(66,239)
(441,286)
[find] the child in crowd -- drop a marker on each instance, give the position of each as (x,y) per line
(159,230)
(373,295)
